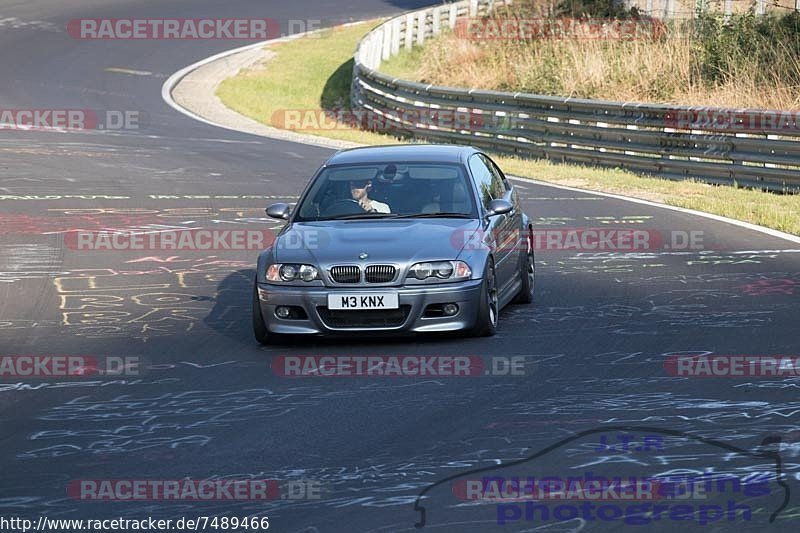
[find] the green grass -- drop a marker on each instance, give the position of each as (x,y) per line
(404,65)
(313,73)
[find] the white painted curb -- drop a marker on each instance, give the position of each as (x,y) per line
(171,82)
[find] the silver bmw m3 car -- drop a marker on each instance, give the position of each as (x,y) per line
(396,239)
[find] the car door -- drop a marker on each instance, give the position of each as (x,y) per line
(509,224)
(490,187)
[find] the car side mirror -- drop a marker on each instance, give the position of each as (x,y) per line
(499,207)
(280,211)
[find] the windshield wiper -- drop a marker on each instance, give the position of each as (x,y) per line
(436,215)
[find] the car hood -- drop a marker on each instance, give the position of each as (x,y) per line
(396,241)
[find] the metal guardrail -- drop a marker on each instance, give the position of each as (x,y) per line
(716,145)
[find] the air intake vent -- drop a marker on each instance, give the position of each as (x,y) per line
(380,273)
(346,274)
(372,319)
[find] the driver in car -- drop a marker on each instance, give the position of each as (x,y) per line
(359,190)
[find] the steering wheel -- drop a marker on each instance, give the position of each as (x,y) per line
(344,206)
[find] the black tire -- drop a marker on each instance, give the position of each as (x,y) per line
(488,309)
(527,271)
(260,332)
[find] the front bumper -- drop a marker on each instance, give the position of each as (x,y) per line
(413,303)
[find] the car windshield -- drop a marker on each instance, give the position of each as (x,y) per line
(388,190)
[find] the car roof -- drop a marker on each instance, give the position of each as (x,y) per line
(418,153)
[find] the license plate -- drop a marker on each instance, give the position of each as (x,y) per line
(372,300)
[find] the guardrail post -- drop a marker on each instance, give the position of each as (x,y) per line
(669,9)
(409,36)
(386,47)
(453,14)
(699,7)
(368,53)
(376,49)
(396,34)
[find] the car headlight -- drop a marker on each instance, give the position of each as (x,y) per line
(443,270)
(291,272)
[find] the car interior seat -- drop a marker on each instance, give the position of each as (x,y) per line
(460,200)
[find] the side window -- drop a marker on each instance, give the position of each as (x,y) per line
(498,183)
(483,178)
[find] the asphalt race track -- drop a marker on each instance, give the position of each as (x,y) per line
(208,405)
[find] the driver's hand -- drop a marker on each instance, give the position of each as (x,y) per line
(365,204)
